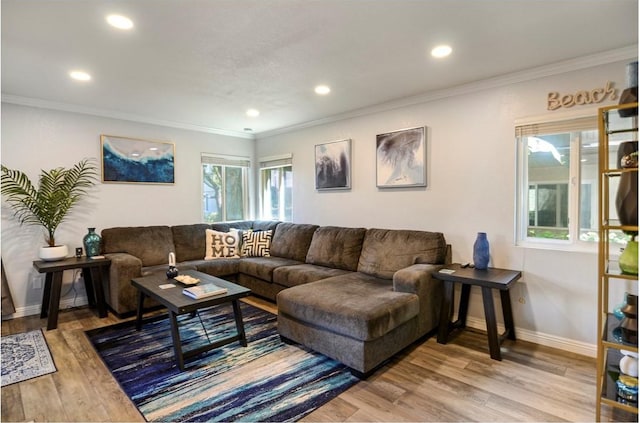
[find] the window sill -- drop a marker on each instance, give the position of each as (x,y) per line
(583,247)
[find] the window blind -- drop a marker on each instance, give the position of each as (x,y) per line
(225,160)
(277,161)
(561,126)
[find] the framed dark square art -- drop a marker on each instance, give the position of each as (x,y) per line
(401,158)
(333,165)
(137,161)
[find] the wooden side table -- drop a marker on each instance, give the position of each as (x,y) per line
(488,279)
(91,273)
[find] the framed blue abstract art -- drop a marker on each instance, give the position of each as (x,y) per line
(401,158)
(130,160)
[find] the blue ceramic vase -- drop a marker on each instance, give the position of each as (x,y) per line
(481,251)
(91,243)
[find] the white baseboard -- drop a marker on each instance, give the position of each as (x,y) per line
(582,348)
(65,303)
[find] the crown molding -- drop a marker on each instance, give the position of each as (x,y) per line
(106,113)
(611,56)
(579,63)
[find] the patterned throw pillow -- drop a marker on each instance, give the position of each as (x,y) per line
(222,244)
(256,244)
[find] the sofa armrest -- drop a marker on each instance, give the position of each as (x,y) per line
(417,279)
(120,295)
(414,279)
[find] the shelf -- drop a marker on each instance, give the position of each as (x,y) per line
(612,270)
(612,338)
(613,128)
(622,131)
(610,391)
(618,172)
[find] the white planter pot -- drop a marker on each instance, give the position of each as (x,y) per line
(58,252)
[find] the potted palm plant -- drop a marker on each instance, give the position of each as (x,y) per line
(58,191)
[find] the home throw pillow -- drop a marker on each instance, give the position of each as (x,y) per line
(256,244)
(222,244)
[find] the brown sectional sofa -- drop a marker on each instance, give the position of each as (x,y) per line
(357,295)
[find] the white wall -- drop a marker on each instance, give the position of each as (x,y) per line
(471,188)
(35,139)
(471,185)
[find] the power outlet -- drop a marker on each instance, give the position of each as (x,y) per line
(36,281)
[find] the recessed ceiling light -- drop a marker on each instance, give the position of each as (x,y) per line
(80,75)
(120,22)
(441,51)
(322,90)
(253,113)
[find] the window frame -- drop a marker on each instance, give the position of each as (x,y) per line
(563,123)
(273,162)
(225,161)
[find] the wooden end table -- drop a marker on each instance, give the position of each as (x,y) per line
(177,303)
(488,279)
(92,270)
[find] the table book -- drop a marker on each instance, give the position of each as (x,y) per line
(202,291)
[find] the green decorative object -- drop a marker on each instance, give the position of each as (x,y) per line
(629,258)
(91,243)
(48,205)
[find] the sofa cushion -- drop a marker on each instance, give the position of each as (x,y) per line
(151,244)
(292,240)
(265,225)
(262,267)
(222,244)
(227,226)
(218,267)
(256,244)
(385,251)
(355,305)
(189,241)
(303,273)
(336,247)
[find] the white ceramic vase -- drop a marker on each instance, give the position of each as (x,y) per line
(629,363)
(56,253)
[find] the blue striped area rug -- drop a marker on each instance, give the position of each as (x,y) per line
(266,381)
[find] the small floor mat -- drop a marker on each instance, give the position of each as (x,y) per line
(25,356)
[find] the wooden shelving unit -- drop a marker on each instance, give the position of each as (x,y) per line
(610,344)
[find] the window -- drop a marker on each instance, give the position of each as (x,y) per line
(558,181)
(224,188)
(276,182)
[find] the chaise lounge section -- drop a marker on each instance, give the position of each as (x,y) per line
(362,318)
(357,295)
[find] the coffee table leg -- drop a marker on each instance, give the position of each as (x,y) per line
(492,324)
(140,310)
(237,311)
(175,335)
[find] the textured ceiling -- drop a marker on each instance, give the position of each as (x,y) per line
(202,63)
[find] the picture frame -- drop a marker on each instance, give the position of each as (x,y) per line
(401,158)
(333,165)
(133,160)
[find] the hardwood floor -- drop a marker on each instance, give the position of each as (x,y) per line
(427,382)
